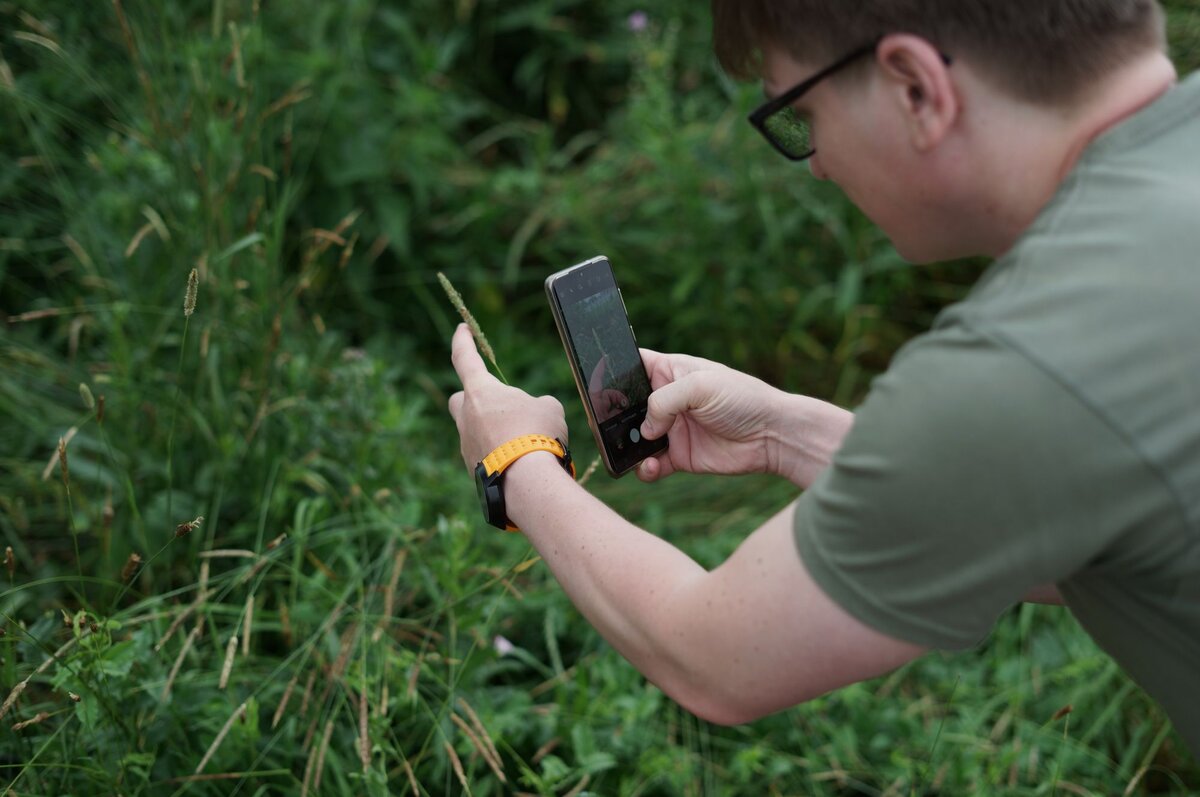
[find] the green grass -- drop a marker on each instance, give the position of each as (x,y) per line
(317,165)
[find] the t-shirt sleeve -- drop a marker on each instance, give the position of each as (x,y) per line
(969,477)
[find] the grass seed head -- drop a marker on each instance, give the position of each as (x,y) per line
(42,716)
(131,566)
(62,461)
(456,299)
(189,299)
(10,561)
(183,529)
(85,393)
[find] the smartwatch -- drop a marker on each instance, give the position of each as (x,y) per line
(489,474)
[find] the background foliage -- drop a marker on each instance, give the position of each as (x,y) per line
(318,608)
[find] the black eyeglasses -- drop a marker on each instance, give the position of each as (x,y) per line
(782,126)
(788,131)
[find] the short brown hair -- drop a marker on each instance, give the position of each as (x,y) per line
(1043,51)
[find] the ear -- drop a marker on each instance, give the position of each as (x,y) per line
(919,80)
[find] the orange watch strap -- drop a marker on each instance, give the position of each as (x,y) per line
(508,453)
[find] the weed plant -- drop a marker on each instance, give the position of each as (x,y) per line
(242,556)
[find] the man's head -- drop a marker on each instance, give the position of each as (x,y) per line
(956,127)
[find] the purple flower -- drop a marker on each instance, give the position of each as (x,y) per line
(638,21)
(502,646)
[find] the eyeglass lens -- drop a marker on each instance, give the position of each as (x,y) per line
(790,131)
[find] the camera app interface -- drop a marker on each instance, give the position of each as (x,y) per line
(608,356)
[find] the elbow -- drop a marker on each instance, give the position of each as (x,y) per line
(718,706)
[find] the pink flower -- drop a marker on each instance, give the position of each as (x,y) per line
(502,646)
(638,21)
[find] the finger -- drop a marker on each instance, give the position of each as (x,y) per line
(655,468)
(467,362)
(656,365)
(664,406)
(456,403)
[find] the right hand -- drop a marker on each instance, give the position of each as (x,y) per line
(720,420)
(724,421)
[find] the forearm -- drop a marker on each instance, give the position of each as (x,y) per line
(621,578)
(809,432)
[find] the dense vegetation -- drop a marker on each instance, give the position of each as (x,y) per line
(243,556)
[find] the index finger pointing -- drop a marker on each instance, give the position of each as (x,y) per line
(465,357)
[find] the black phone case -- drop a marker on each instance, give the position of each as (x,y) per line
(621,446)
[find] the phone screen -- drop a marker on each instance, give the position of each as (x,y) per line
(608,365)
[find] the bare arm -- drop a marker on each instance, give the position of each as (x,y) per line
(751,637)
(754,636)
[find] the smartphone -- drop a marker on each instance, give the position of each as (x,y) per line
(591,319)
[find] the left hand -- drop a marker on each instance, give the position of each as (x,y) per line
(489,413)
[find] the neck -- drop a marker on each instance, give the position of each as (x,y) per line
(1027,151)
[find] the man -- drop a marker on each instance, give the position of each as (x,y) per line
(1042,439)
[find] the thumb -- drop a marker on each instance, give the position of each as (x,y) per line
(664,407)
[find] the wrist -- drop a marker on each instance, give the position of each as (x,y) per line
(805,438)
(492,473)
(527,482)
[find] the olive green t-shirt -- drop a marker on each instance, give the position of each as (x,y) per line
(1046,430)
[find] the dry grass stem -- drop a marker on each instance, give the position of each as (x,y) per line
(308,687)
(41,716)
(201,596)
(6,76)
(254,569)
(136,241)
(383,701)
(413,674)
(227,667)
(249,625)
(587,474)
(275,543)
(364,738)
(187,645)
(41,41)
(478,725)
(321,755)
(19,688)
(308,770)
(240,711)
(483,748)
(389,594)
(458,767)
(580,786)
(156,220)
(283,701)
(347,252)
(228,553)
(79,252)
(189,298)
(55,458)
(412,778)
(143,78)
